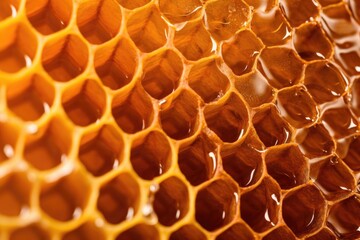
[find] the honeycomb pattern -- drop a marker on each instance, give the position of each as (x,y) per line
(180,120)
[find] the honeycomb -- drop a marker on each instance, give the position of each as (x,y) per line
(179,119)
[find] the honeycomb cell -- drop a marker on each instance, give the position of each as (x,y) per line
(48,147)
(260,207)
(180,11)
(240,53)
(18,49)
(303,210)
(49,16)
(344,219)
(15,191)
(238,231)
(206,79)
(187,232)
(311,43)
(261,5)
(133,4)
(119,199)
(280,233)
(223,18)
(323,234)
(270,127)
(299,11)
(65,58)
(30,232)
(140,231)
(101,151)
(324,81)
(171,201)
(348,56)
(297,106)
(87,230)
(8,8)
(333,178)
(179,115)
(215,204)
(99,21)
(352,158)
(228,120)
(354,6)
(30,97)
(8,139)
(198,160)
(66,198)
(354,94)
(151,155)
(280,66)
(84,103)
(161,73)
(147,29)
(193,41)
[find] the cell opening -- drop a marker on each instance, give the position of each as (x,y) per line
(140,231)
(9,8)
(238,231)
(9,134)
(87,230)
(188,232)
(31,232)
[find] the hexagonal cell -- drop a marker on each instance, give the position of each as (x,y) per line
(348,55)
(15,190)
(333,178)
(66,198)
(224,18)
(352,158)
(315,141)
(297,106)
(18,49)
(323,234)
(8,8)
(311,43)
(161,73)
(193,41)
(299,11)
(119,198)
(206,79)
(140,231)
(101,151)
(49,16)
(8,138)
(31,232)
(171,201)
(287,165)
(354,6)
(84,103)
(179,115)
(324,81)
(151,155)
(99,21)
(87,230)
(282,232)
(304,210)
(354,94)
(270,127)
(280,66)
(259,208)
(198,160)
(30,97)
(133,4)
(238,231)
(65,58)
(49,146)
(215,204)
(228,120)
(271,27)
(115,64)
(180,11)
(147,29)
(261,5)
(187,232)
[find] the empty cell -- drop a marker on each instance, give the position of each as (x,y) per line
(304,210)
(49,16)
(133,4)
(354,97)
(30,97)
(287,165)
(198,160)
(193,41)
(179,115)
(354,6)
(261,5)
(101,151)
(171,201)
(119,199)
(66,198)
(323,234)
(352,158)
(8,8)
(99,21)
(238,231)
(280,66)
(297,106)
(282,232)
(49,146)
(8,139)
(216,203)
(299,11)
(229,120)
(206,79)
(151,155)
(271,128)
(115,63)
(187,232)
(333,178)
(65,58)
(224,18)
(140,231)
(87,230)
(259,208)
(324,81)
(161,73)
(147,29)
(180,11)
(30,232)
(84,103)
